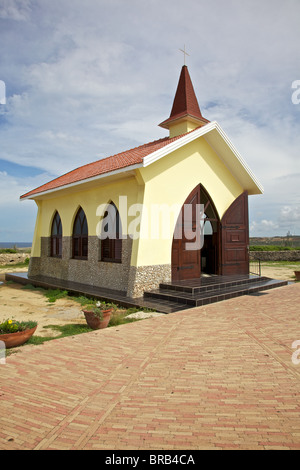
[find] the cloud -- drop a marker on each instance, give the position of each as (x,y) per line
(17,10)
(263,225)
(290,214)
(15,186)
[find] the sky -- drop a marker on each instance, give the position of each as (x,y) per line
(86,80)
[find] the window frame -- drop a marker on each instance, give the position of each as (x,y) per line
(111,248)
(80,239)
(56,240)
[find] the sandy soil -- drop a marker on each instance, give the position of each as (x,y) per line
(23,304)
(281,272)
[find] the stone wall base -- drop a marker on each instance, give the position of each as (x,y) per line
(92,271)
(117,276)
(144,278)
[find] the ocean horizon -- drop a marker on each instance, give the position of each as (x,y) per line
(15,244)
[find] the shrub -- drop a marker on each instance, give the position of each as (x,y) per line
(8,250)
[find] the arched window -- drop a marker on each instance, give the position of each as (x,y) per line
(56,237)
(111,244)
(80,236)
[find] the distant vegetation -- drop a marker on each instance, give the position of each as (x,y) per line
(273,248)
(7,250)
(291,242)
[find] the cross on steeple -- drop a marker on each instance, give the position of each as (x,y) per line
(184,53)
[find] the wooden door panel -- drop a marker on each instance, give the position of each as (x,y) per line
(186,263)
(235,237)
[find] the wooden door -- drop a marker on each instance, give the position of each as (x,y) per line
(186,264)
(235,237)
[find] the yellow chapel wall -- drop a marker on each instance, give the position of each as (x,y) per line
(182,128)
(67,203)
(169,181)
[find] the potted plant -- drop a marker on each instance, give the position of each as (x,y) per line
(98,315)
(14,333)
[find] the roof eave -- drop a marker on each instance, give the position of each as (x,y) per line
(177,119)
(209,131)
(80,182)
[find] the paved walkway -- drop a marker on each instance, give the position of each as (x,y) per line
(214,377)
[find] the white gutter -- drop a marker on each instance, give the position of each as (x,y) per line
(86,180)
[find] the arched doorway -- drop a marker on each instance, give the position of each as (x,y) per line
(198,221)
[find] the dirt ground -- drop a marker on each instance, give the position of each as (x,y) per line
(281,272)
(23,304)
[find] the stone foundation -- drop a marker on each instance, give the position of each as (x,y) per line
(147,278)
(92,271)
(117,276)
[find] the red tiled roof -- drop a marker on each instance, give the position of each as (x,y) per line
(106,165)
(185,101)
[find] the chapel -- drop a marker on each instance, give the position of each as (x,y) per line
(170,210)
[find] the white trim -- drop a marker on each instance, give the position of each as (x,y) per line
(203,132)
(177,144)
(167,149)
(87,180)
(238,156)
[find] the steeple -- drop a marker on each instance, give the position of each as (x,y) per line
(185,114)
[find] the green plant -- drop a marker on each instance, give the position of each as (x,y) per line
(64,330)
(8,250)
(55,294)
(13,326)
(121,319)
(98,308)
(272,248)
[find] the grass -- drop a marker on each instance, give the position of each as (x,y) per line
(65,330)
(273,248)
(55,294)
(118,317)
(73,329)
(8,251)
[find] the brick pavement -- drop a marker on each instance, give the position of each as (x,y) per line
(213,377)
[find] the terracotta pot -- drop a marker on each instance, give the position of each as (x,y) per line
(95,322)
(297,274)
(13,340)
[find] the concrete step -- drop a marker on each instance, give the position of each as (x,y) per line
(224,291)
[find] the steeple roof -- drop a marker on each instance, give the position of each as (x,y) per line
(185,103)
